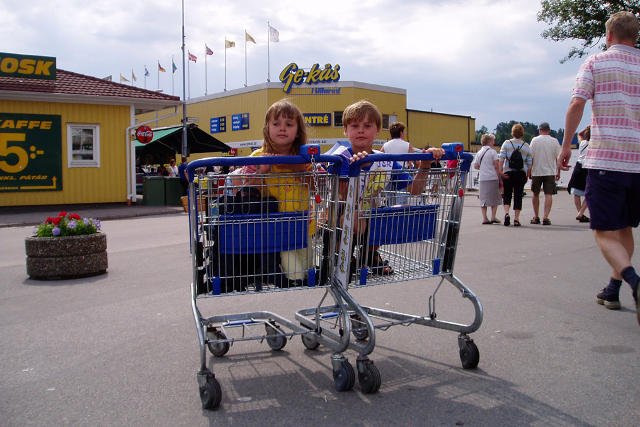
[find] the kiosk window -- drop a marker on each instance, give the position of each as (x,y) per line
(388,119)
(337,118)
(83,145)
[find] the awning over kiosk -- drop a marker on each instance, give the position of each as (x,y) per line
(167,142)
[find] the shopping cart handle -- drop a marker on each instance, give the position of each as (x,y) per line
(307,153)
(451,152)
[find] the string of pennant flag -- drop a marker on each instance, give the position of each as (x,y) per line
(273,36)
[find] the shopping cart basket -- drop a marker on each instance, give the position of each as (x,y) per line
(253,232)
(386,243)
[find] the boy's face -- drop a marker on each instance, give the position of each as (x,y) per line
(361,134)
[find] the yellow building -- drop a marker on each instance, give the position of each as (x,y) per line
(65,137)
(236,117)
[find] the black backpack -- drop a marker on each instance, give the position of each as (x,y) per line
(516,162)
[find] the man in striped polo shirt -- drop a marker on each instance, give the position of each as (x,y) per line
(611,80)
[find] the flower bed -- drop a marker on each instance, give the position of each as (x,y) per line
(65,247)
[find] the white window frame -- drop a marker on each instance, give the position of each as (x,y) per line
(76,163)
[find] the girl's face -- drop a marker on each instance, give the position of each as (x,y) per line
(361,134)
(282,132)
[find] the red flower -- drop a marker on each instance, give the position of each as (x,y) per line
(56,220)
(62,214)
(74,216)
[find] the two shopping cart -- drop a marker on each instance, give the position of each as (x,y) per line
(262,229)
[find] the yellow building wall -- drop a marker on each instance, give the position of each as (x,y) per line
(427,128)
(86,184)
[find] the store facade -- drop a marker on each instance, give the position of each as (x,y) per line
(236,116)
(65,138)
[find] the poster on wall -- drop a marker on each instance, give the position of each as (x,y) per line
(30,152)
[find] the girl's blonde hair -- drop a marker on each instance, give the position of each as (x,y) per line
(284,108)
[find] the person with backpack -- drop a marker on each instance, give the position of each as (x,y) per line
(515,155)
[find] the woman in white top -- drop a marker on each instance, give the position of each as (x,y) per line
(486,161)
(578,181)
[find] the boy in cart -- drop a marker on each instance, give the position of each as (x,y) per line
(362,121)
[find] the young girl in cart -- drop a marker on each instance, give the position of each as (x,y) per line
(362,121)
(284,133)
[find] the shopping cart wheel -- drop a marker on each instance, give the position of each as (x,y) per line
(359,328)
(344,377)
(310,340)
(217,348)
(368,376)
(275,338)
(469,354)
(210,392)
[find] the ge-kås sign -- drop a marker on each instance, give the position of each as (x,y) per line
(292,74)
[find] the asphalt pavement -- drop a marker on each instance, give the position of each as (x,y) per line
(121,348)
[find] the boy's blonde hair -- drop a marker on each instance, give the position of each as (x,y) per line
(284,108)
(361,110)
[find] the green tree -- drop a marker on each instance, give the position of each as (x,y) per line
(483,129)
(581,20)
(503,131)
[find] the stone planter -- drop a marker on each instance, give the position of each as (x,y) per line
(68,257)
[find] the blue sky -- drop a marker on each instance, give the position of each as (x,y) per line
(479,58)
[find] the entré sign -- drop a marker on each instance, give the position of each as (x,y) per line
(27,66)
(292,74)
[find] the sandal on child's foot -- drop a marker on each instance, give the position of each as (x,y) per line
(378,266)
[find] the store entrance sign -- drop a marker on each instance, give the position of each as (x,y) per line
(292,74)
(30,152)
(27,66)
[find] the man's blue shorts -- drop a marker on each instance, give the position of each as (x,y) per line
(613,199)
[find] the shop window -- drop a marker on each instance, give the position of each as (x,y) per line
(337,118)
(83,145)
(388,120)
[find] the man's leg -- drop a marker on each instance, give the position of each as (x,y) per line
(535,202)
(616,247)
(548,201)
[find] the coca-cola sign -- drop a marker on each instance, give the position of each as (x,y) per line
(144,134)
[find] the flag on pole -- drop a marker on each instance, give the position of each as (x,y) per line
(123,78)
(192,57)
(146,72)
(247,37)
(174,67)
(228,44)
(161,68)
(133,76)
(274,35)
(207,51)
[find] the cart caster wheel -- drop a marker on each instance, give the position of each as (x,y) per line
(310,341)
(469,355)
(369,377)
(359,328)
(344,377)
(218,349)
(210,392)
(275,337)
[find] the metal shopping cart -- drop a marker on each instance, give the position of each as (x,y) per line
(253,232)
(385,243)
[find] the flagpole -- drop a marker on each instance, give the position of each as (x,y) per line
(189,76)
(172,73)
(184,101)
(205,72)
(268,47)
(158,73)
(245,58)
(225,64)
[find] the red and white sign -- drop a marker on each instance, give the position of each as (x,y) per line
(144,134)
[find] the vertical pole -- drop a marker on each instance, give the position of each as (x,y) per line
(184,94)
(268,44)
(245,58)
(172,75)
(225,64)
(205,72)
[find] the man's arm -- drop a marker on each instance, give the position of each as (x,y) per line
(571,122)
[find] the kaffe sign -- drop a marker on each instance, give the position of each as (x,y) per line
(27,66)
(30,152)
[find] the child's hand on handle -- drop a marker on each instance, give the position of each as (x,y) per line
(436,152)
